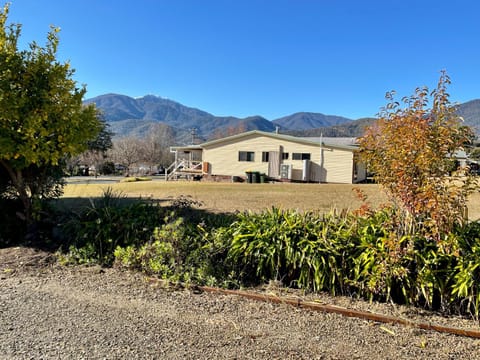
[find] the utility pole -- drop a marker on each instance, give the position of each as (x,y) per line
(193,132)
(321,157)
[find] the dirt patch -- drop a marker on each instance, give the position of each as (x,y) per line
(20,259)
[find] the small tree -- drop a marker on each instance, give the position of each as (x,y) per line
(412,150)
(42,118)
(97,149)
(156,146)
(127,151)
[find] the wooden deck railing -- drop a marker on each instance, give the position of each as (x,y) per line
(183,168)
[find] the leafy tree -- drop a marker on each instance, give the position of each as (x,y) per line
(103,141)
(97,148)
(95,153)
(411,152)
(42,118)
(107,168)
(474,152)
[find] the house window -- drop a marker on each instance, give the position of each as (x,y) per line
(265,156)
(246,156)
(300,156)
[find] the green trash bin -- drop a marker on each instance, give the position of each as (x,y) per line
(249,177)
(255,177)
(263,177)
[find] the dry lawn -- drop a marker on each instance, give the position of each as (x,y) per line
(227,197)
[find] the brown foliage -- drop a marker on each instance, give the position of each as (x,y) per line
(411,152)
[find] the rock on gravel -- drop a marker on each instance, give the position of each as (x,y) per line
(52,312)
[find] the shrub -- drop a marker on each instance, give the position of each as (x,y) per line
(300,249)
(465,290)
(411,149)
(107,168)
(360,253)
(187,251)
(107,223)
(155,258)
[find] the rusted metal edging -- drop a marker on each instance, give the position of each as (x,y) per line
(343,311)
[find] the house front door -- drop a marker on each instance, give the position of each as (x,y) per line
(273,164)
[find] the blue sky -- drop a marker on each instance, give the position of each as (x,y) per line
(263,57)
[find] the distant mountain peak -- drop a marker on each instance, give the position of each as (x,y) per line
(149,96)
(127,115)
(309,120)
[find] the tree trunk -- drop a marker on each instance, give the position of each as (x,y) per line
(16,178)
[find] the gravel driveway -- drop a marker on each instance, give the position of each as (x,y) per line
(53,312)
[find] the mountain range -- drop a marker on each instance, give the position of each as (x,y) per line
(129,116)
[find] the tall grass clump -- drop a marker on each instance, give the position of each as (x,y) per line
(300,249)
(360,254)
(394,265)
(465,289)
(108,222)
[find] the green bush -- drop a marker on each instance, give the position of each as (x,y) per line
(107,168)
(377,265)
(207,262)
(160,256)
(465,291)
(300,249)
(107,223)
(360,254)
(155,258)
(193,251)
(357,254)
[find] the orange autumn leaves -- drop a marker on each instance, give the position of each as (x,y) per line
(411,150)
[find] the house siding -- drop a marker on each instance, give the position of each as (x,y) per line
(327,164)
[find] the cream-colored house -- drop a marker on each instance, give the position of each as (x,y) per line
(278,156)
